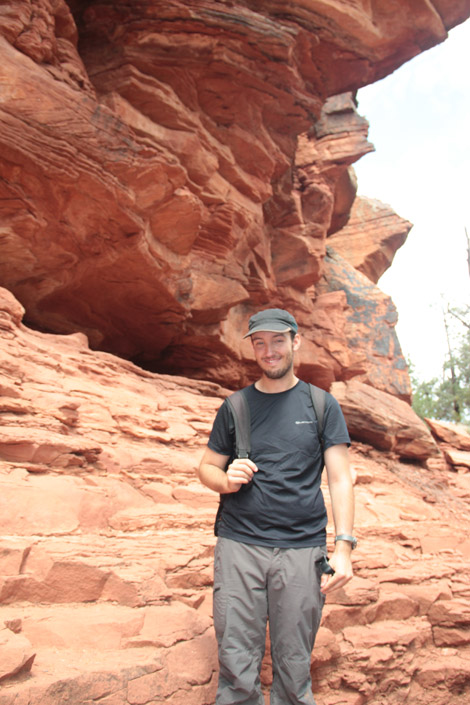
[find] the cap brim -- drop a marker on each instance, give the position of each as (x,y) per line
(268,328)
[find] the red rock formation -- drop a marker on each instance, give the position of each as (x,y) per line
(16,652)
(151,192)
(106,560)
(454,442)
(166,168)
(371,237)
(451,434)
(384,421)
(369,329)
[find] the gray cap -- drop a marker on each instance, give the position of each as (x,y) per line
(272,320)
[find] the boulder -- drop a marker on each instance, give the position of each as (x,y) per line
(458,458)
(384,421)
(16,654)
(455,435)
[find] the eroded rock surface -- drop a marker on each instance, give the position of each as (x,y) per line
(169,167)
(371,237)
(107,543)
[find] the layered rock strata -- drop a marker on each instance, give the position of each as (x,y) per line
(169,167)
(107,543)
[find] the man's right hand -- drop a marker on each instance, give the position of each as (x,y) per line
(214,473)
(239,472)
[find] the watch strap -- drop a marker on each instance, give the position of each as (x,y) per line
(347,537)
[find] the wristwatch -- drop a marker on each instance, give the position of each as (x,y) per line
(347,537)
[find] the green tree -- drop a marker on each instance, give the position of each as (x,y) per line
(447,398)
(424,396)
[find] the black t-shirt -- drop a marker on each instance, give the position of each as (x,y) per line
(283,505)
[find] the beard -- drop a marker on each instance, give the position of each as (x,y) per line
(281,371)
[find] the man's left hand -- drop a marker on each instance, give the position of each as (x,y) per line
(340,561)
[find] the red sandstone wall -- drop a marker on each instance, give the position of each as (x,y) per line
(165,169)
(168,167)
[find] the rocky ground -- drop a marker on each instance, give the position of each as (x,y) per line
(106,547)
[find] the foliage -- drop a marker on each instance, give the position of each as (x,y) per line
(448,398)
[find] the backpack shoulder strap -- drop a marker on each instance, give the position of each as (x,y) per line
(238,405)
(318,400)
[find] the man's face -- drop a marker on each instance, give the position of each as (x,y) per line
(274,352)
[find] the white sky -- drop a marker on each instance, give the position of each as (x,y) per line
(420,125)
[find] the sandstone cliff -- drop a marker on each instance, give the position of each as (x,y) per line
(167,168)
(106,552)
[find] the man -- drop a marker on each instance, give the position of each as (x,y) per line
(271,524)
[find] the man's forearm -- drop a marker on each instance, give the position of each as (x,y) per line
(213,477)
(341,488)
(342,506)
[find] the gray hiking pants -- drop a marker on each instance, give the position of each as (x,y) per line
(251,585)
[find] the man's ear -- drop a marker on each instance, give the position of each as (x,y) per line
(296,342)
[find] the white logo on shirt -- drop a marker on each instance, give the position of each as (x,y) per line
(297,422)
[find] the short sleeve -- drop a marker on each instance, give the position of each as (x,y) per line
(335,431)
(222,436)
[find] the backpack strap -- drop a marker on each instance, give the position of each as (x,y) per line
(318,401)
(241,417)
